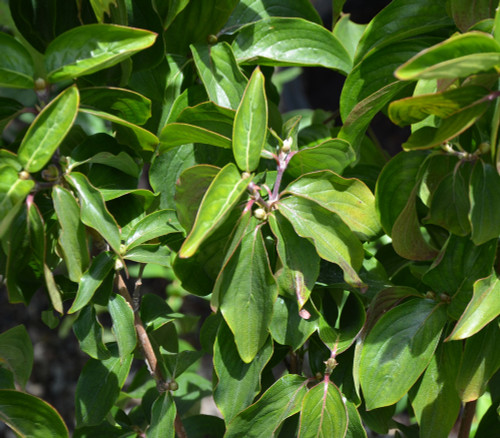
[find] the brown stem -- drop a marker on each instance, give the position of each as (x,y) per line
(467,417)
(147,347)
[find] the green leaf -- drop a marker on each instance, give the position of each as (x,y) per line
(155,312)
(334,155)
(435,400)
(28,415)
(48,130)
(177,134)
(238,382)
(299,259)
(92,279)
(9,109)
(250,11)
(355,427)
(189,191)
(88,331)
(124,104)
(323,412)
(350,199)
(122,316)
(16,64)
(428,136)
(333,240)
(481,310)
(466,14)
(480,361)
(289,325)
(459,264)
(156,253)
(101,7)
(99,386)
(72,238)
(289,42)
(16,353)
(247,294)
(347,32)
(93,210)
(163,413)
(398,349)
(87,49)
(250,124)
(220,73)
(159,223)
(459,56)
(445,104)
(484,192)
(220,198)
(395,185)
(128,133)
(263,418)
(402,19)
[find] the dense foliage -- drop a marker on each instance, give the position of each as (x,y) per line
(145,136)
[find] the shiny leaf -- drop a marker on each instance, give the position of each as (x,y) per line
(16,64)
(122,316)
(163,413)
(157,224)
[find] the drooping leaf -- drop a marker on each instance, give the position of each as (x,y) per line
(334,155)
(459,56)
(122,316)
(92,279)
(323,412)
(222,195)
(93,210)
(480,361)
(16,353)
(48,130)
(484,192)
(72,237)
(163,413)
(350,199)
(279,402)
(98,387)
(124,104)
(86,49)
(445,104)
(247,294)
(238,382)
(16,64)
(223,80)
(402,19)
(398,349)
(30,416)
(290,41)
(300,261)
(157,254)
(333,240)
(88,331)
(481,310)
(250,124)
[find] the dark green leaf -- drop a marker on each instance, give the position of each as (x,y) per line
(333,240)
(156,253)
(177,134)
(398,349)
(88,331)
(16,353)
(157,224)
(86,49)
(101,7)
(72,237)
(93,210)
(16,64)
(250,124)
(9,108)
(177,363)
(197,425)
(219,71)
(163,413)
(466,14)
(279,402)
(484,193)
(220,198)
(92,279)
(98,387)
(355,427)
(48,130)
(290,41)
(247,287)
(30,416)
(122,316)
(124,104)
(460,56)
(323,412)
(155,312)
(238,382)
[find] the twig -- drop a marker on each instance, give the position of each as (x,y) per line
(467,417)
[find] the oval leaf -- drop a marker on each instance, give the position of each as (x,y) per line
(157,224)
(86,49)
(16,353)
(163,413)
(16,64)
(48,130)
(122,316)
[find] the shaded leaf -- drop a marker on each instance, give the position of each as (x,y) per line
(163,413)
(149,253)
(88,331)
(466,13)
(16,65)
(122,316)
(157,224)
(16,353)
